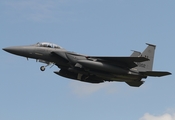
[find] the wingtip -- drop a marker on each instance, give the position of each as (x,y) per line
(151,44)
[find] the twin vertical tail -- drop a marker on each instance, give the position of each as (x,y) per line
(147,53)
(145,68)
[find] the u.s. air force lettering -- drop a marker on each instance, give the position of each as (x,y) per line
(141,65)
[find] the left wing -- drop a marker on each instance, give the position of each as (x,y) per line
(126,61)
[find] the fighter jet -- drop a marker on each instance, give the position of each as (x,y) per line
(93,69)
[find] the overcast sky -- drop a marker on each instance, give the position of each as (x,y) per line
(91,27)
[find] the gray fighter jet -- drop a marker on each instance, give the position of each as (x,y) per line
(93,69)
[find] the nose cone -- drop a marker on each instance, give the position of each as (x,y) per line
(25,51)
(13,50)
(9,49)
(17,50)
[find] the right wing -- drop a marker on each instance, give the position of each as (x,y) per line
(125,61)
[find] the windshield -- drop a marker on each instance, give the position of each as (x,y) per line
(49,45)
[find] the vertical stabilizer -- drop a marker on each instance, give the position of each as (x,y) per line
(135,53)
(147,53)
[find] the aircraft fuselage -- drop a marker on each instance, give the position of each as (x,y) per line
(85,68)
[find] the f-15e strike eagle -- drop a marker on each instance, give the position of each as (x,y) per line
(93,69)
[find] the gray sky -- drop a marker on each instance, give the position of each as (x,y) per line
(92,27)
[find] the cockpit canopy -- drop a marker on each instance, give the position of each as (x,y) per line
(49,45)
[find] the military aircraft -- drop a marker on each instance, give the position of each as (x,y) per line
(93,69)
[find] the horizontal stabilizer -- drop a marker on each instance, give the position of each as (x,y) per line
(155,73)
(135,84)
